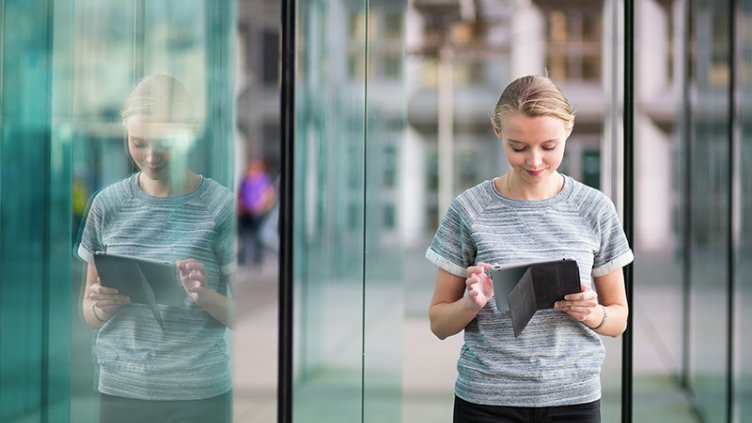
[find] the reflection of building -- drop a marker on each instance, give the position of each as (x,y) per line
(485,47)
(257,87)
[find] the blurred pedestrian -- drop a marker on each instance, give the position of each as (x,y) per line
(256,198)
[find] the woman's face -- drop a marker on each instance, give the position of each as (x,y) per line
(152,145)
(534,146)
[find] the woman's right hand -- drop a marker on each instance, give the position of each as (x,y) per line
(479,285)
(454,304)
(106,300)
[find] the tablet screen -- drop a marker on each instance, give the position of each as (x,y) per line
(124,273)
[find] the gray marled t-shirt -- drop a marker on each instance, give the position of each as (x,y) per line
(556,360)
(189,360)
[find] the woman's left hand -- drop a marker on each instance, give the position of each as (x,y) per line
(193,277)
(581,306)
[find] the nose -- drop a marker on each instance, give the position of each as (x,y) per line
(534,159)
(149,154)
(152,155)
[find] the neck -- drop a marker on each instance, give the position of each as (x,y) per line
(514,187)
(173,187)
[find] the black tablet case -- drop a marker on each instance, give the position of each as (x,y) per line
(539,286)
(149,282)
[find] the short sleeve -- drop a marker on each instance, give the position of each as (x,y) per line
(225,245)
(452,248)
(614,252)
(91,239)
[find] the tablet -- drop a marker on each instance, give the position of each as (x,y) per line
(145,281)
(524,289)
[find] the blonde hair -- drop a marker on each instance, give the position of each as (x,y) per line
(161,98)
(533,96)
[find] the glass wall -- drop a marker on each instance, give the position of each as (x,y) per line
(661,153)
(257,143)
(34,214)
(710,163)
(391,123)
(743,217)
(67,70)
(692,273)
(348,263)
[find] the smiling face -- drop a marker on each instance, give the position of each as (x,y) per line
(152,146)
(534,146)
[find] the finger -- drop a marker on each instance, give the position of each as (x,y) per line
(482,266)
(472,280)
(106,298)
(191,264)
(587,302)
(589,295)
(110,300)
(570,305)
(579,313)
(100,289)
(197,275)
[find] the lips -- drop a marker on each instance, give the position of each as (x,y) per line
(535,172)
(153,169)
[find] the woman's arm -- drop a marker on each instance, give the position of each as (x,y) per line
(99,302)
(193,277)
(613,297)
(604,310)
(450,309)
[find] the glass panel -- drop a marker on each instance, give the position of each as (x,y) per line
(660,155)
(743,332)
(34,216)
(383,291)
(709,293)
(329,204)
(152,124)
(348,269)
(257,168)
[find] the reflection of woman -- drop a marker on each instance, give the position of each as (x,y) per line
(531,213)
(167,212)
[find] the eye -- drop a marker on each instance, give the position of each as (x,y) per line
(138,143)
(162,144)
(517,148)
(549,147)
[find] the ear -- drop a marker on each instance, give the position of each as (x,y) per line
(496,130)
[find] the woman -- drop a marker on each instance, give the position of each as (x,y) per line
(531,213)
(164,211)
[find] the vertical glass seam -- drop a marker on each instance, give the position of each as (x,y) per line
(626,389)
(366,16)
(287,132)
(46,242)
(688,214)
(731,169)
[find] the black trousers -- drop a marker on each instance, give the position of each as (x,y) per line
(467,412)
(127,410)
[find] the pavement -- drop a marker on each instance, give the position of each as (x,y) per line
(428,364)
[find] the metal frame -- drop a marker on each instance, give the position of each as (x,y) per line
(627,337)
(287,148)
